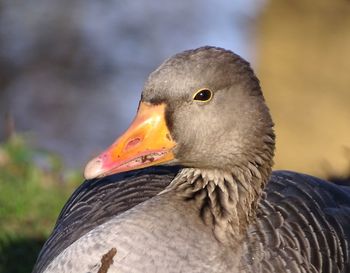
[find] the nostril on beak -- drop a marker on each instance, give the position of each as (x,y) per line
(132,143)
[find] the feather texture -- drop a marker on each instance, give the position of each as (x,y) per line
(302,223)
(97,201)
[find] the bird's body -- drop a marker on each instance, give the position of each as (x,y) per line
(299,228)
(156,233)
(221,210)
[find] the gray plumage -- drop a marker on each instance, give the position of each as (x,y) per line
(222,210)
(97,201)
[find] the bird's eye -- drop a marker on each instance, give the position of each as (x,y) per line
(203,95)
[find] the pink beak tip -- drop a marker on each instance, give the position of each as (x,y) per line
(93,169)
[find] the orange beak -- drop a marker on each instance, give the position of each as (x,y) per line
(147,142)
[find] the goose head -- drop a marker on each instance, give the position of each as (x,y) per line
(201,109)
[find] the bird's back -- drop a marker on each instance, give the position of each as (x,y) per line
(303,225)
(97,201)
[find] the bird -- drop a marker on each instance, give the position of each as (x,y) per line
(189,186)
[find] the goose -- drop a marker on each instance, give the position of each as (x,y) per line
(189,186)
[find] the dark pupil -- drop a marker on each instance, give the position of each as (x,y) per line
(203,95)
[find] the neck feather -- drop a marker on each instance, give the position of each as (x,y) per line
(226,200)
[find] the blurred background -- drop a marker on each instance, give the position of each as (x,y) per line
(71,73)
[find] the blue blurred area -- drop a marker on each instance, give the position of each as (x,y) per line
(71,72)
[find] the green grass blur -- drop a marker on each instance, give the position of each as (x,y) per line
(33,190)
